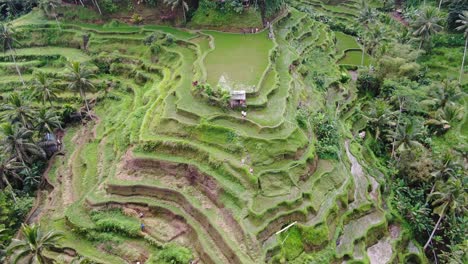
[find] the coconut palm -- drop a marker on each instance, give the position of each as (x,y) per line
(16,110)
(427,23)
(7,37)
(444,118)
(376,36)
(33,245)
(42,89)
(446,167)
(178,3)
(49,7)
(17,142)
(380,116)
(46,121)
(9,171)
(367,15)
(449,197)
(79,80)
(463,27)
(405,137)
(444,93)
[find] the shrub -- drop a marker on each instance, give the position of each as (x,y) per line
(314,236)
(172,254)
(368,83)
(292,245)
(109,6)
(116,221)
(137,19)
(326,132)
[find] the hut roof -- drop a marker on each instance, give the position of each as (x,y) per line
(238,95)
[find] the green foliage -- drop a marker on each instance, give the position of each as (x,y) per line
(291,241)
(411,203)
(302,117)
(109,6)
(327,134)
(368,83)
(217,96)
(171,254)
(12,212)
(116,221)
(79,13)
(209,15)
(137,19)
(314,236)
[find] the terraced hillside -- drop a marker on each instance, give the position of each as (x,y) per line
(201,176)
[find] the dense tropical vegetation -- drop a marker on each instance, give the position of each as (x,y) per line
(401,100)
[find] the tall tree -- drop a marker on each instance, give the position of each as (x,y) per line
(79,79)
(42,89)
(427,24)
(49,7)
(46,121)
(33,245)
(17,142)
(367,15)
(7,37)
(9,171)
(380,116)
(17,110)
(405,137)
(178,3)
(449,198)
(443,93)
(463,27)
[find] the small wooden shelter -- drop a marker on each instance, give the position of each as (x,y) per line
(238,98)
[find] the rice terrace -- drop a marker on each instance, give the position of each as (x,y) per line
(233,131)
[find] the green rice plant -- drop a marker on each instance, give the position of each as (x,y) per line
(116,221)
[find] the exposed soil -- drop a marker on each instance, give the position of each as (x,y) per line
(178,199)
(380,253)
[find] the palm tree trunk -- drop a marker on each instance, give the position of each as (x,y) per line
(463,61)
(83,95)
(58,23)
(16,65)
(422,41)
(363,51)
(185,16)
(11,187)
(97,5)
(435,228)
(81,1)
(440,4)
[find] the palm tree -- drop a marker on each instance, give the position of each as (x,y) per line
(178,3)
(446,167)
(6,36)
(444,117)
(450,197)
(9,172)
(405,137)
(380,116)
(79,80)
(17,141)
(42,89)
(16,110)
(366,16)
(444,93)
(464,27)
(46,121)
(49,7)
(427,24)
(33,245)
